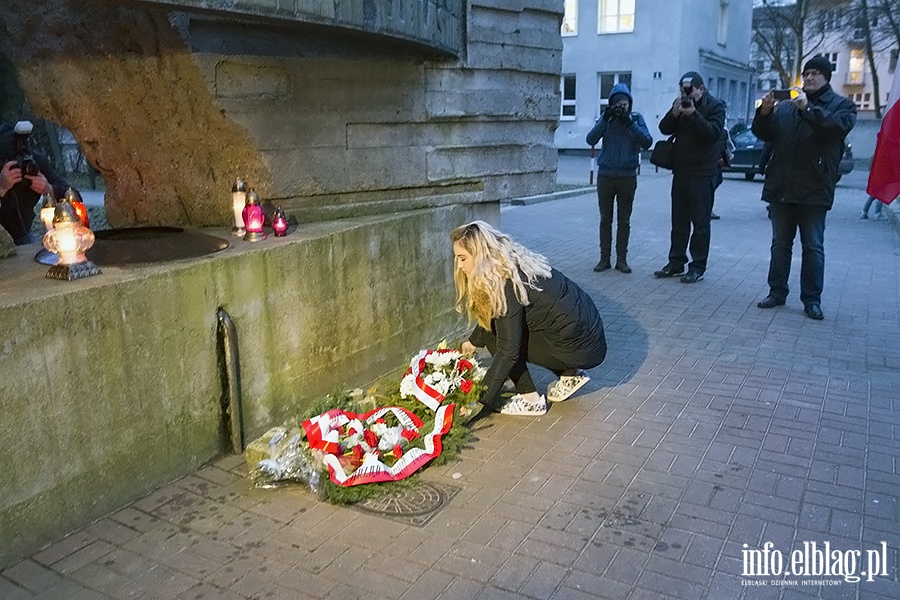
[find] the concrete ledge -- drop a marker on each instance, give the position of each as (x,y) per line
(112,386)
(529,200)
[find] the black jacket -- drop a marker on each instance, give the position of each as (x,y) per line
(806,148)
(17,206)
(696,137)
(562,316)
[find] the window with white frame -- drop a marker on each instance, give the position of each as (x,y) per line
(856,70)
(892,63)
(570,18)
(616,16)
(863,100)
(607,81)
(567,87)
(832,57)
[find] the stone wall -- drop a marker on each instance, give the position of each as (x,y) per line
(111,384)
(433,23)
(170,108)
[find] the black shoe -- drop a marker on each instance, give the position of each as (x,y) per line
(621,265)
(692,276)
(603,265)
(714,216)
(770,301)
(813,311)
(669,270)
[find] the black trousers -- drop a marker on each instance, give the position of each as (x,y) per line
(538,353)
(618,191)
(692,199)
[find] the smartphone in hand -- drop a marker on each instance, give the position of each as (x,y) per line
(781,94)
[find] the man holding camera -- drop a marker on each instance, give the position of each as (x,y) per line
(624,133)
(806,134)
(697,120)
(24,176)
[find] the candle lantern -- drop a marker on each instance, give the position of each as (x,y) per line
(69,240)
(74,198)
(48,207)
(253,218)
(279,223)
(238,199)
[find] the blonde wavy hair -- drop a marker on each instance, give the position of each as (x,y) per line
(497,258)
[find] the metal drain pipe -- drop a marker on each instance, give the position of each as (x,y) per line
(234,417)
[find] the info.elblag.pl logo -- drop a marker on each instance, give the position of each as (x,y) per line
(814,559)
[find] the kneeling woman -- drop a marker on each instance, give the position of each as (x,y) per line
(526,311)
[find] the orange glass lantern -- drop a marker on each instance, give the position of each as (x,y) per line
(238,199)
(279,223)
(69,240)
(74,198)
(253,218)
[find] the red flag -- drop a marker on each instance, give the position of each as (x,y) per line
(884,178)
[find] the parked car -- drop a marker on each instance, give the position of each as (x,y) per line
(751,155)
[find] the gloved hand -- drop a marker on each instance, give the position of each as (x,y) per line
(626,119)
(609,114)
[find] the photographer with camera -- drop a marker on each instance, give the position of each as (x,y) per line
(806,135)
(24,176)
(697,120)
(624,134)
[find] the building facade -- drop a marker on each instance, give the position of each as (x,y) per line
(836,34)
(648,44)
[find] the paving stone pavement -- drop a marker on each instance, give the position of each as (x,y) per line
(712,425)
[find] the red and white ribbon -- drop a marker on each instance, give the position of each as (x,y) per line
(372,470)
(424,393)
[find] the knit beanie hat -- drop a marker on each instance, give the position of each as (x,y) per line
(820,64)
(694,78)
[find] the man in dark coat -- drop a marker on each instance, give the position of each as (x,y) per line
(696,120)
(807,135)
(20,191)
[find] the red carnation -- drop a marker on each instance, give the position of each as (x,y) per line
(466,386)
(371,438)
(398,451)
(463,365)
(358,452)
(352,431)
(380,421)
(409,434)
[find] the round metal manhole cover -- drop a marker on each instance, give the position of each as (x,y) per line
(415,501)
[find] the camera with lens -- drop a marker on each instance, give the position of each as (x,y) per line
(686,102)
(22,149)
(619,111)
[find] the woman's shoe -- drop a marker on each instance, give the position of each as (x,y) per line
(621,265)
(519,406)
(566,385)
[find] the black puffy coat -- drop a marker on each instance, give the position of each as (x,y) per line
(560,316)
(696,137)
(806,146)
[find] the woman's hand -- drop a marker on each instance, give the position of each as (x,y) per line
(468,348)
